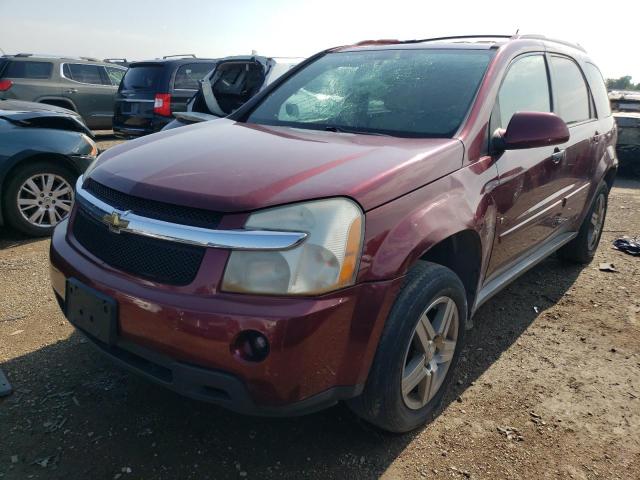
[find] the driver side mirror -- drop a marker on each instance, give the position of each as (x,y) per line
(531,130)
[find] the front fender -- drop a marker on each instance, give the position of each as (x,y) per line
(400,232)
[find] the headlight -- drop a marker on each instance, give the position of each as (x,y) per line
(91,166)
(92,145)
(326,260)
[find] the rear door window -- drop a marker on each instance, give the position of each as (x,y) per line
(525,89)
(115,74)
(142,77)
(187,76)
(599,90)
(90,74)
(570,90)
(39,70)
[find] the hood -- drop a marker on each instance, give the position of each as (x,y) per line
(38,115)
(228,166)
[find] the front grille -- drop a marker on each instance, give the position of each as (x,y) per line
(150,258)
(195,217)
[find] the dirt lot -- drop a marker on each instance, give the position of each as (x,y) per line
(549,387)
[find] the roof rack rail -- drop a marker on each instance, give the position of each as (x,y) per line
(90,59)
(466,37)
(455,37)
(180,55)
(554,40)
(23,55)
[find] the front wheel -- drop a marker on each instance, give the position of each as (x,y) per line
(38,197)
(583,248)
(417,352)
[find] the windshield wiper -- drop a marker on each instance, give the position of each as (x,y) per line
(334,128)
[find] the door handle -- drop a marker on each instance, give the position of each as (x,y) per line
(595,138)
(558,156)
(71,90)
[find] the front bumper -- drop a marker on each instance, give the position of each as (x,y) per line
(181,337)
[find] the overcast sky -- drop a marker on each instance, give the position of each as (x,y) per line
(140,29)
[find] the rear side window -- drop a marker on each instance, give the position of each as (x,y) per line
(570,90)
(142,77)
(84,73)
(525,89)
(598,89)
(187,76)
(39,70)
(115,75)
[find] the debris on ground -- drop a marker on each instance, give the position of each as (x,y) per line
(5,386)
(607,267)
(628,245)
(48,461)
(511,433)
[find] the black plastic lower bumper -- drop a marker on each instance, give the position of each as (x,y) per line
(212,386)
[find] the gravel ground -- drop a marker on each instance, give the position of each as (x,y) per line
(549,387)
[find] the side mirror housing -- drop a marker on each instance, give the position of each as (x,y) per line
(531,130)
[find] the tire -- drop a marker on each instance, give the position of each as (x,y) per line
(18,191)
(582,249)
(384,403)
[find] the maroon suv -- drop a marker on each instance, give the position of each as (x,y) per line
(332,238)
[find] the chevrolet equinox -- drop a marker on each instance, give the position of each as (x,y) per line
(331,239)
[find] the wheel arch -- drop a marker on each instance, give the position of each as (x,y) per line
(462,254)
(18,161)
(59,102)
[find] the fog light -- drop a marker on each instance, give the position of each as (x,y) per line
(251,346)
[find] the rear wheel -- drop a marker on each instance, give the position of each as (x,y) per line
(38,197)
(417,352)
(583,248)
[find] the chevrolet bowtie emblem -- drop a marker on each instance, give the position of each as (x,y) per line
(115,222)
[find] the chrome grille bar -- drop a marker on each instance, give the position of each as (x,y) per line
(174,232)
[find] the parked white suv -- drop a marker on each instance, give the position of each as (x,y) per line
(230,85)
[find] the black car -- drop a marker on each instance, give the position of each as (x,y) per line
(43,150)
(152,90)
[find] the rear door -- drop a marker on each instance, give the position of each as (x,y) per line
(574,105)
(184,83)
(91,91)
(529,196)
(135,97)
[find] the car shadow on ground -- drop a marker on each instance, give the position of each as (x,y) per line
(10,238)
(132,422)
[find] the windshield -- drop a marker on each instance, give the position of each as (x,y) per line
(406,93)
(143,77)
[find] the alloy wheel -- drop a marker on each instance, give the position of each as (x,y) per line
(430,352)
(45,199)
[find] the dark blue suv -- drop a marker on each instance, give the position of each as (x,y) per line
(152,90)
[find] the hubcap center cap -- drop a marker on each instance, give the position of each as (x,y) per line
(434,345)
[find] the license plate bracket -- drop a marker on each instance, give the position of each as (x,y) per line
(91,311)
